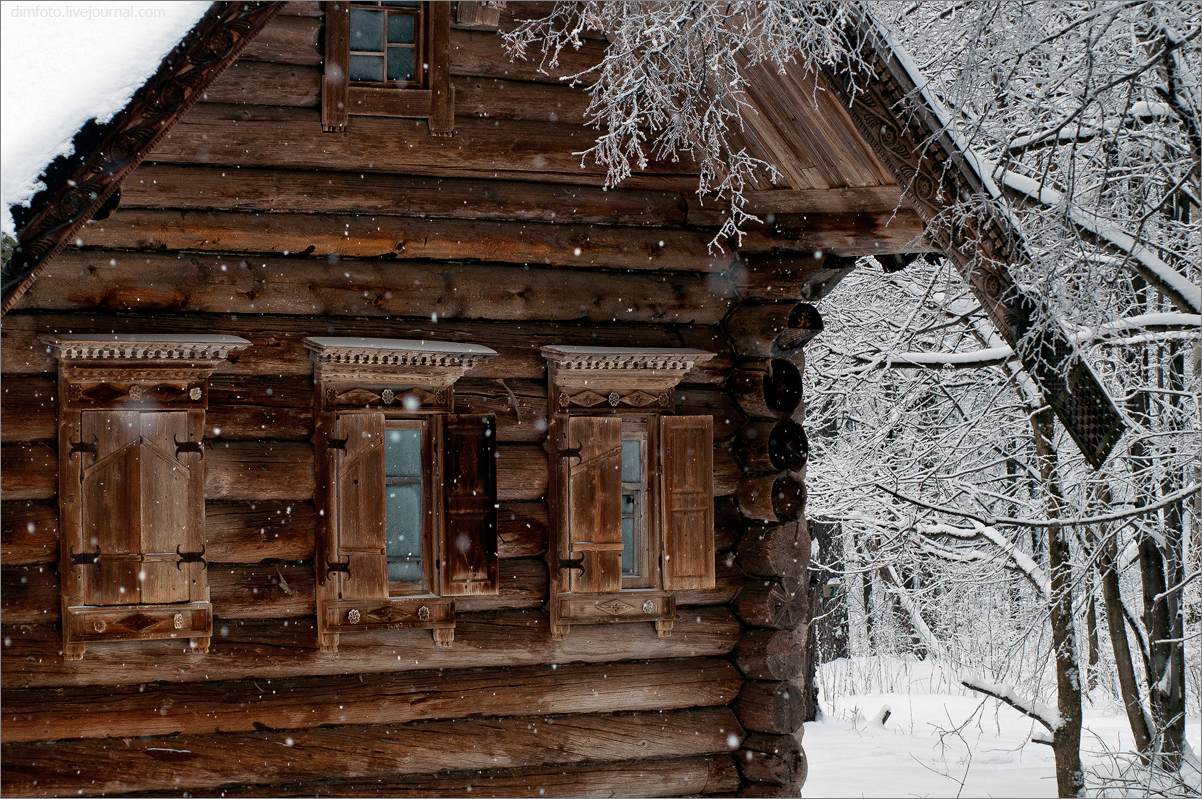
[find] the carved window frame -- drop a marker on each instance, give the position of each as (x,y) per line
(636,385)
(394,380)
(140,392)
(432,100)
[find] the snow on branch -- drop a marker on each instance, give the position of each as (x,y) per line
(1020,560)
(1044,714)
(1176,287)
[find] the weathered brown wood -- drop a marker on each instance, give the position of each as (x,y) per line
(277,346)
(694,776)
(773,706)
(771,654)
(766,329)
(476,15)
(521,529)
(848,199)
(29,594)
(242,706)
(789,276)
(208,761)
(772,446)
(768,603)
(286,39)
(767,388)
(292,138)
(776,759)
(848,235)
(290,85)
(148,282)
(782,551)
(771,497)
(402,238)
(199,187)
(480,53)
(29,406)
(698,400)
(491,98)
(272,470)
(249,649)
(28,470)
(28,532)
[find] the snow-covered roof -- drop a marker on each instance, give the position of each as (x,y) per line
(62,64)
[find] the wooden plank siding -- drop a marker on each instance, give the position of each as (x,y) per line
(248,219)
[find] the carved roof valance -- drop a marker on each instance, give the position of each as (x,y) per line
(146,349)
(417,361)
(615,367)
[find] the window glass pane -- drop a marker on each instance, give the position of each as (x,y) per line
(404,522)
(403,452)
(629,561)
(367,29)
(367,67)
(400,63)
(401,28)
(632,461)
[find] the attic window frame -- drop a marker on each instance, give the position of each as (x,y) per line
(430,99)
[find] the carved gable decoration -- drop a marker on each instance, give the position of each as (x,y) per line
(617,378)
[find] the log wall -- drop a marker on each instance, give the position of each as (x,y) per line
(248,219)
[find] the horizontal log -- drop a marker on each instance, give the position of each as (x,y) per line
(28,532)
(777,759)
(29,406)
(790,276)
(330,192)
(366,753)
(271,470)
(768,603)
(781,551)
(242,706)
(397,238)
(277,346)
(122,281)
(771,654)
(767,388)
(290,85)
(772,445)
(286,648)
(261,136)
(481,54)
(771,497)
(847,235)
(691,776)
(28,470)
(767,329)
(770,706)
(287,38)
(848,199)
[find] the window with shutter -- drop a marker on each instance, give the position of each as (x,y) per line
(632,487)
(131,429)
(387,59)
(407,488)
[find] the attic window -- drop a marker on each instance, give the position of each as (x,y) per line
(387,59)
(386,44)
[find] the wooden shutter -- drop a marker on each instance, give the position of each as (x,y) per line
(593,487)
(469,534)
(166,512)
(110,508)
(687,500)
(359,499)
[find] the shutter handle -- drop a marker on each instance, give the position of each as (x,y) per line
(572,564)
(188,446)
(343,566)
(85,558)
(80,447)
(191,557)
(336,443)
(570,452)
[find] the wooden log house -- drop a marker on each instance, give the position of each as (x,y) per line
(357,442)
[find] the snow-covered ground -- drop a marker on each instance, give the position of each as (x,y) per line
(936,742)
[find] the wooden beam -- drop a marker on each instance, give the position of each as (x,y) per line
(243,705)
(336,192)
(365,753)
(695,776)
(286,648)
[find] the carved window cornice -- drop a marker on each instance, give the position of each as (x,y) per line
(148,350)
(592,369)
(415,363)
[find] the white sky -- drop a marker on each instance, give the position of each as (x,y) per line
(62,63)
